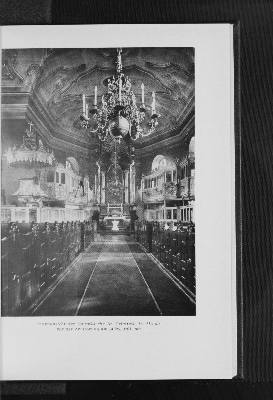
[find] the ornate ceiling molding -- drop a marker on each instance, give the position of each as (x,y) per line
(56,79)
(14,111)
(10,75)
(170,142)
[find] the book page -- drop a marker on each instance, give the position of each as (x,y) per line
(199,344)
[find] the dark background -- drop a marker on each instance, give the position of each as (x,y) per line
(256,83)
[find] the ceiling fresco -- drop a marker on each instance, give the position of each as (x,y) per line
(57,78)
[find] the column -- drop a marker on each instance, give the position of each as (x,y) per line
(38,215)
(193,211)
(95,189)
(189,177)
(12,214)
(27,214)
(99,185)
(126,184)
(133,186)
(132,183)
(103,188)
(178,213)
(141,187)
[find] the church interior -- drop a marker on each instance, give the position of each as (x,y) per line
(98,182)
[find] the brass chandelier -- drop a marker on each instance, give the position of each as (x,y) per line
(118,114)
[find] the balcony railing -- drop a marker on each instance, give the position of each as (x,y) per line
(170,190)
(153,194)
(43,214)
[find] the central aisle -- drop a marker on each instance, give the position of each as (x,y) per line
(116,285)
(115,277)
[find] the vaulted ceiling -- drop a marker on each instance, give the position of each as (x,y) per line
(51,82)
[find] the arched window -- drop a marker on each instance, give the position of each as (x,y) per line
(192,145)
(161,161)
(63,178)
(156,161)
(73,163)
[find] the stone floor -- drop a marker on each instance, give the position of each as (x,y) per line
(115,277)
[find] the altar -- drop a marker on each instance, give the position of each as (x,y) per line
(116,223)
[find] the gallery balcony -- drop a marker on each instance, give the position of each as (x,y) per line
(186,188)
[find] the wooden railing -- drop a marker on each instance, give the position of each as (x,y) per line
(34,255)
(43,214)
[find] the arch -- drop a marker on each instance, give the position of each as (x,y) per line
(192,145)
(74,164)
(161,161)
(156,162)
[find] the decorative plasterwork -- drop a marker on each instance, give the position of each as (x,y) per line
(30,192)
(169,142)
(9,64)
(69,73)
(57,79)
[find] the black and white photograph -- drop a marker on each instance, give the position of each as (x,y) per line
(98,182)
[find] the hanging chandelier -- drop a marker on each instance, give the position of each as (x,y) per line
(118,114)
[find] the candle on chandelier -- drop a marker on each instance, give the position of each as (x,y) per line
(96,93)
(153,103)
(83,103)
(142,92)
(119,56)
(86,110)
